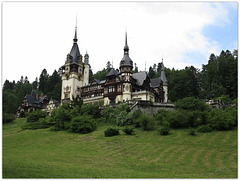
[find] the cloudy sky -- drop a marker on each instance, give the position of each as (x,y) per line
(38,35)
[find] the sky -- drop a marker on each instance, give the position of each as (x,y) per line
(39,35)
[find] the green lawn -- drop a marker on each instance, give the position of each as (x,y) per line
(46,154)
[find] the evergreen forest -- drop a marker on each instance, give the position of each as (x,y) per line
(217,80)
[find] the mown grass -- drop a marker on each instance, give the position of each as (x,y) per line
(46,154)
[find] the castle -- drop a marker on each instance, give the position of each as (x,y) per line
(117,87)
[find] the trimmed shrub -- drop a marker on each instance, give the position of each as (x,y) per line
(128,131)
(165,128)
(147,122)
(111,132)
(8,118)
(191,132)
(36,115)
(83,124)
(204,128)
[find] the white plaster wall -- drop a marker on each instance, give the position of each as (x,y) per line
(165,89)
(86,75)
(127,95)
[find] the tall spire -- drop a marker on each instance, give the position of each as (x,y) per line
(75,36)
(126,60)
(75,53)
(163,76)
(126,49)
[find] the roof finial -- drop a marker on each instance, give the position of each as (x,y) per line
(75,36)
(126,49)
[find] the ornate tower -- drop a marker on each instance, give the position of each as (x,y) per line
(126,66)
(86,70)
(165,83)
(72,73)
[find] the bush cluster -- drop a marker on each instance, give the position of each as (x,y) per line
(41,124)
(83,124)
(192,132)
(111,132)
(204,128)
(165,128)
(34,116)
(128,130)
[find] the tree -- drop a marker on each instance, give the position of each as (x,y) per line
(8,85)
(100,75)
(108,66)
(35,84)
(54,86)
(151,72)
(26,80)
(43,81)
(136,68)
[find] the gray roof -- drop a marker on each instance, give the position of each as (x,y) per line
(163,76)
(102,81)
(126,60)
(75,53)
(140,77)
(31,99)
(112,72)
(155,82)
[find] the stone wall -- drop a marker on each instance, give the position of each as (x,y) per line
(149,107)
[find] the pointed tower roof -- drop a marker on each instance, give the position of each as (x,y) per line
(163,76)
(126,60)
(126,48)
(75,53)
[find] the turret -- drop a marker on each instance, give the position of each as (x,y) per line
(126,66)
(86,70)
(165,82)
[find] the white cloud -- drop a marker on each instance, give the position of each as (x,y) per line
(39,35)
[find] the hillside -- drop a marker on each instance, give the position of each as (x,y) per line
(46,154)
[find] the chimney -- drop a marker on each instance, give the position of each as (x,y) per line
(37,97)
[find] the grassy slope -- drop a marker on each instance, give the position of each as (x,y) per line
(47,154)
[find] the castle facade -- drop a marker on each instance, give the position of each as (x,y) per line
(118,86)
